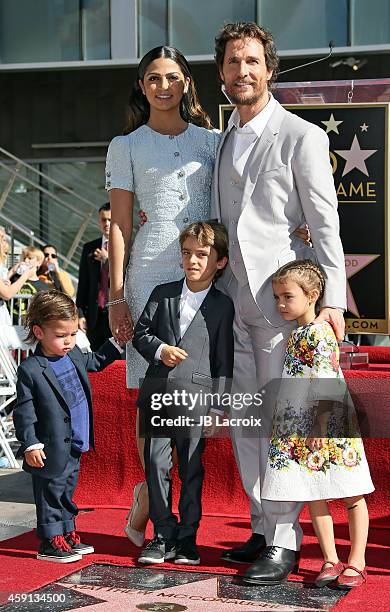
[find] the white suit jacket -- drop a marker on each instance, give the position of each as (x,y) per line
(287,181)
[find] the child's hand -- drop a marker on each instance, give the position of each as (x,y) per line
(209,431)
(35,458)
(172,355)
(316,443)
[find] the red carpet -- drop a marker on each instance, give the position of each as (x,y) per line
(107,479)
(108,476)
(103,529)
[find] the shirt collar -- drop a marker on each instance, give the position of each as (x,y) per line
(258,123)
(197,294)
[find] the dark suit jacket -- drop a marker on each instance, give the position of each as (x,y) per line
(88,287)
(208,341)
(41,414)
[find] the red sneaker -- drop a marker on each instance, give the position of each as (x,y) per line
(73,539)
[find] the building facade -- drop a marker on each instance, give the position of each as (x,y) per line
(67,66)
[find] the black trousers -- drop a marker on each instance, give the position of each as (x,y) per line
(158,465)
(56,510)
(100,332)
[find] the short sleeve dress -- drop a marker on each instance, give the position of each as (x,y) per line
(171,177)
(311,373)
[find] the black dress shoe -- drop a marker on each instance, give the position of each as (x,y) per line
(273,567)
(248,552)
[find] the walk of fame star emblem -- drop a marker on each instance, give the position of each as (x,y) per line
(358,139)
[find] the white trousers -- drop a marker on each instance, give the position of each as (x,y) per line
(258,358)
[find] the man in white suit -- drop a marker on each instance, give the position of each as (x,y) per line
(272,175)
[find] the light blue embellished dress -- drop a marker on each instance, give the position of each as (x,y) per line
(171,177)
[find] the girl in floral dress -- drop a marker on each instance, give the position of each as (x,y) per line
(316,453)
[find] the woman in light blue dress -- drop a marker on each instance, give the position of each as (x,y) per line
(164,164)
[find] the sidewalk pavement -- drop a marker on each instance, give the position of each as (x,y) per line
(17,510)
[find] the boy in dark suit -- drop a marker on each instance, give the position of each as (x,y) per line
(186,334)
(54,421)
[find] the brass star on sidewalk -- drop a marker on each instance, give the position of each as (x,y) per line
(355,157)
(331,124)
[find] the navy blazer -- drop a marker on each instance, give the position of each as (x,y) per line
(41,414)
(208,340)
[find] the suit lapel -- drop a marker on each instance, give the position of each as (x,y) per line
(51,378)
(174,311)
(258,155)
(94,262)
(217,203)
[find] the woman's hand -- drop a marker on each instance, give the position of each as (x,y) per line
(121,322)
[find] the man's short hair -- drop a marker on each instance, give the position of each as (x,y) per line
(248,29)
(105,206)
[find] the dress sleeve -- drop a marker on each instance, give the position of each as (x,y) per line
(327,383)
(119,165)
(325,360)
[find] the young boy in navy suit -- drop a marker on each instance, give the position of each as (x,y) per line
(186,334)
(54,421)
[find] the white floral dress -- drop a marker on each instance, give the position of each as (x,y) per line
(294,472)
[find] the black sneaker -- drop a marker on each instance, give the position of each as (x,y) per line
(73,539)
(57,550)
(186,552)
(157,551)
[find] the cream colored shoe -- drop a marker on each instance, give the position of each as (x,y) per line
(135,536)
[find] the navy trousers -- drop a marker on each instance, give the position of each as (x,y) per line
(56,510)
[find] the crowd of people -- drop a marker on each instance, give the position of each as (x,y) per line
(235,278)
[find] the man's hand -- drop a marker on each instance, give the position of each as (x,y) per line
(35,458)
(100,255)
(171,356)
(83,324)
(303,233)
(334,316)
(209,431)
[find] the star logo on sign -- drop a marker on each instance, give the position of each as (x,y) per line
(353,265)
(364,127)
(355,157)
(331,124)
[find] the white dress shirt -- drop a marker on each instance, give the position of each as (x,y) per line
(190,303)
(245,137)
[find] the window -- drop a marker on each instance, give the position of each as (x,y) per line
(370,22)
(305,24)
(193,25)
(54,30)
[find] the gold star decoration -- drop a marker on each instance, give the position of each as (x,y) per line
(331,124)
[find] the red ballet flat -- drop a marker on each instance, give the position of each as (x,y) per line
(329,574)
(345,583)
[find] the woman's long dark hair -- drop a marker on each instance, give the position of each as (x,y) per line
(190,108)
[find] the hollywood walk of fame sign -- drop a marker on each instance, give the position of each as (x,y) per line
(359,141)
